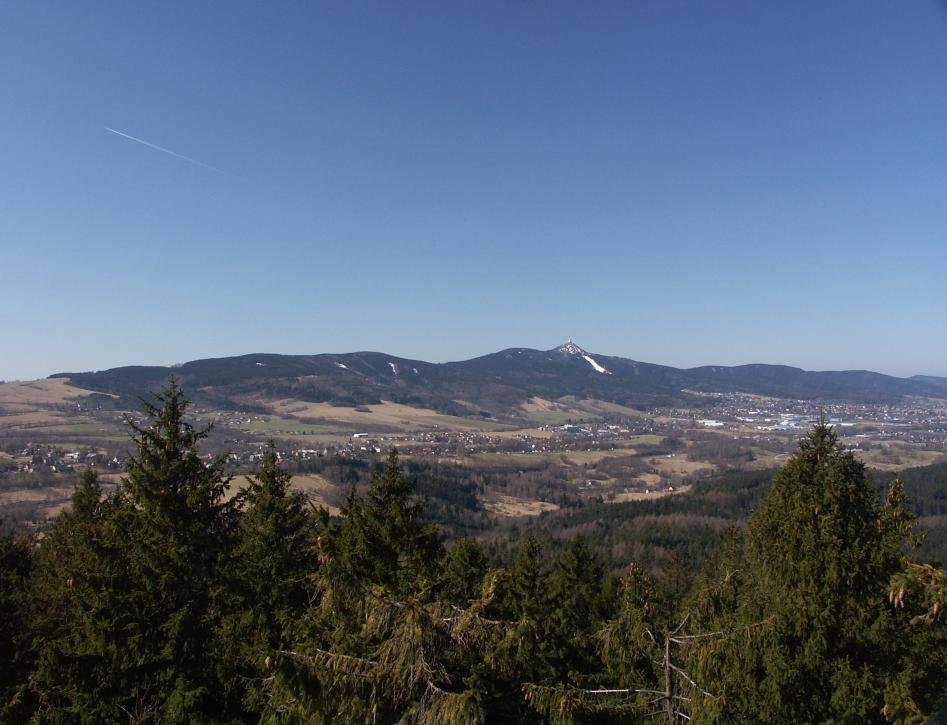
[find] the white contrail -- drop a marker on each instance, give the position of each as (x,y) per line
(167,151)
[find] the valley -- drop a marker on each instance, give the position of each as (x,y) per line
(528,451)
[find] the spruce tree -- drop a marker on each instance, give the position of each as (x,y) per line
(270,585)
(129,588)
(576,611)
(178,530)
(806,632)
(80,578)
(378,644)
(382,538)
(462,572)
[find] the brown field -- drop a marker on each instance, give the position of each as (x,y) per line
(315,439)
(647,439)
(650,479)
(646,495)
(53,391)
(763,458)
(600,407)
(574,458)
(40,419)
(531,432)
(554,412)
(535,404)
(48,407)
(555,417)
(510,506)
(679,465)
(508,458)
(314,487)
(580,457)
(50,493)
(387,414)
(908,457)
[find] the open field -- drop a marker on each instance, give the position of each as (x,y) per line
(63,429)
(24,420)
(58,425)
(593,407)
(49,500)
(49,408)
(554,412)
(645,495)
(578,458)
(52,391)
(650,479)
(562,410)
(553,417)
(510,506)
(511,459)
(525,432)
(387,414)
(648,439)
(896,458)
(316,488)
(276,425)
(679,465)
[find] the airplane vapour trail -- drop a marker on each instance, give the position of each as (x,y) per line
(164,150)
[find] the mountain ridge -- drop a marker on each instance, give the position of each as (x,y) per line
(496,382)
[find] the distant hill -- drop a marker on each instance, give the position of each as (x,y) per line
(931,380)
(493,384)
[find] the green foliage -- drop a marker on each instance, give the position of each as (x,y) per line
(130,588)
(177,526)
(268,588)
(576,611)
(16,566)
(381,537)
(78,591)
(167,601)
(806,589)
(463,569)
(652,532)
(375,643)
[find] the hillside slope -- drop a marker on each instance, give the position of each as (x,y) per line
(496,383)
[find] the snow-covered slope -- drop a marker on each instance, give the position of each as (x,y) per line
(570,348)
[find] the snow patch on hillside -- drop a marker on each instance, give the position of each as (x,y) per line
(570,348)
(598,368)
(394,368)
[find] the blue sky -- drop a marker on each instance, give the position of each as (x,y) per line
(675,182)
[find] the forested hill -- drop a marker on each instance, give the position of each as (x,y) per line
(931,380)
(688,526)
(494,383)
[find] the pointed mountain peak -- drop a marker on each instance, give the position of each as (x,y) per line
(570,348)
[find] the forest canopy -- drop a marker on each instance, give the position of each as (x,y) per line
(171,599)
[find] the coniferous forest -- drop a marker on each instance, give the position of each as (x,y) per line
(171,600)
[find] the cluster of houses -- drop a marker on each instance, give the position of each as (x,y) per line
(38,457)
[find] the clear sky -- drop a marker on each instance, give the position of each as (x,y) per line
(676,182)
